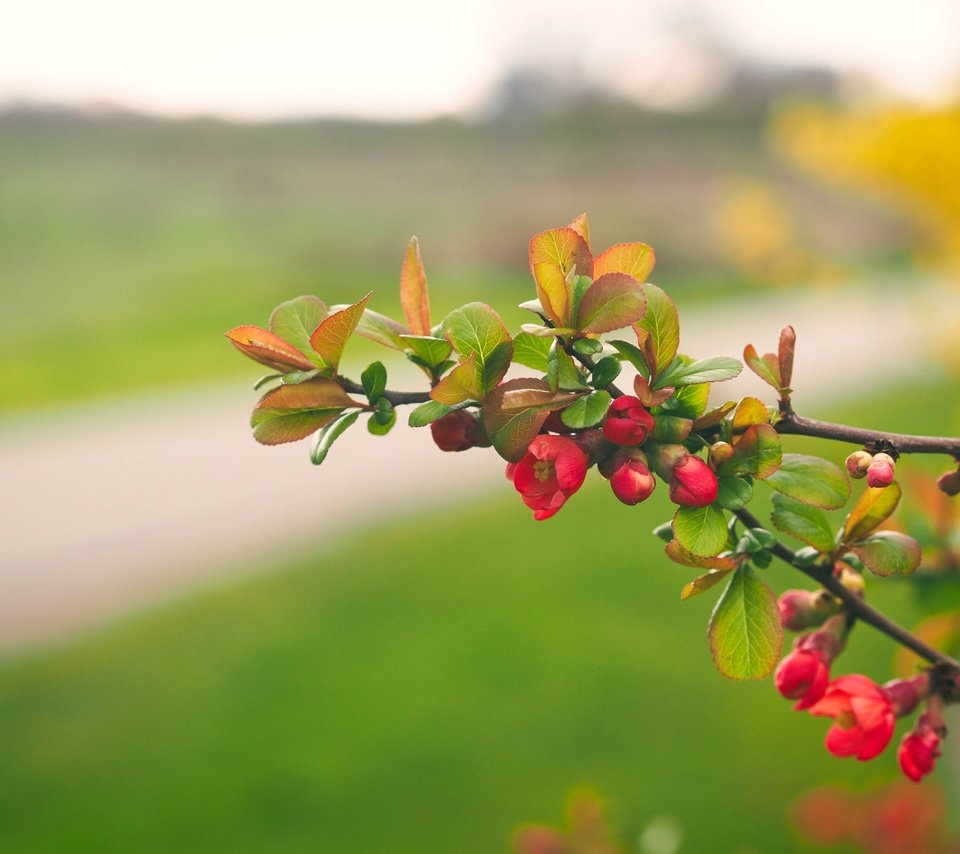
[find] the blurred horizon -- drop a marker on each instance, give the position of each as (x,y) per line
(424,60)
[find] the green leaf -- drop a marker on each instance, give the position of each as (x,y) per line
(756,453)
(633,354)
(605,371)
(733,493)
(670,428)
(888,553)
(701,530)
(330,337)
(588,346)
(462,383)
(293,412)
(531,350)
(382,329)
(687,402)
(612,301)
(297,377)
(745,633)
(374,381)
(511,431)
(802,521)
(562,371)
(382,421)
(678,554)
(329,435)
(431,351)
(427,413)
(661,324)
(811,480)
(586,411)
(872,508)
(296,320)
(713,370)
(476,329)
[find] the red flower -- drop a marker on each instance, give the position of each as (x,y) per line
(456,431)
(802,675)
(632,482)
(628,422)
(920,748)
(881,470)
(550,472)
(693,483)
(863,715)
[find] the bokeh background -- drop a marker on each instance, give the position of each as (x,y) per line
(211,645)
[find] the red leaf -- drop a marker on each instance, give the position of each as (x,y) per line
(414,297)
(268,349)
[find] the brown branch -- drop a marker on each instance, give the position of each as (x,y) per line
(397,398)
(875,440)
(855,606)
(589,364)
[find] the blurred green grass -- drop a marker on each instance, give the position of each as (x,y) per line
(425,686)
(129,245)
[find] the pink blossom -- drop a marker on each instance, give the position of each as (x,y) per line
(628,422)
(632,482)
(920,747)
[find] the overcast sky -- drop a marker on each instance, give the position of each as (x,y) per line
(395,59)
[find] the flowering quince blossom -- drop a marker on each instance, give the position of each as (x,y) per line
(628,422)
(632,482)
(863,716)
(693,483)
(920,748)
(553,468)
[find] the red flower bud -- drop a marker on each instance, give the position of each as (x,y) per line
(632,482)
(627,422)
(804,609)
(550,472)
(920,748)
(863,717)
(456,431)
(693,483)
(858,462)
(803,676)
(881,470)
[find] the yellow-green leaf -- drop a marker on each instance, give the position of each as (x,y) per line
(634,259)
(293,412)
(661,325)
(295,321)
(612,301)
(331,336)
(460,384)
(872,508)
(811,480)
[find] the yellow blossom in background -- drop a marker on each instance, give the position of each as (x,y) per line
(906,156)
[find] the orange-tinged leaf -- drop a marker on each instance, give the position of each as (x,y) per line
(553,254)
(331,335)
(515,399)
(767,367)
(295,320)
(703,583)
(612,301)
(872,507)
(553,292)
(581,225)
(460,384)
(267,349)
(511,431)
(788,343)
(648,397)
(414,296)
(658,331)
(382,329)
(713,417)
(293,412)
(634,259)
(678,554)
(750,411)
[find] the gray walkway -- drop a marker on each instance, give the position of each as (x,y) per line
(107,509)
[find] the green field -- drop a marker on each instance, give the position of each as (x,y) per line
(129,245)
(424,687)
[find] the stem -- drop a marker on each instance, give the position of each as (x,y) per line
(898,443)
(854,605)
(397,398)
(589,364)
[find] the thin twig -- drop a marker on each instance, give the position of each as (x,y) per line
(397,398)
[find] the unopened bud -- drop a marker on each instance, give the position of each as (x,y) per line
(628,422)
(806,609)
(881,470)
(720,452)
(851,579)
(632,482)
(949,482)
(593,443)
(456,431)
(906,694)
(857,464)
(693,483)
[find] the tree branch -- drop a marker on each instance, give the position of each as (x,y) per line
(898,443)
(397,398)
(856,606)
(589,364)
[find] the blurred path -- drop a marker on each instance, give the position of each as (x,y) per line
(109,508)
